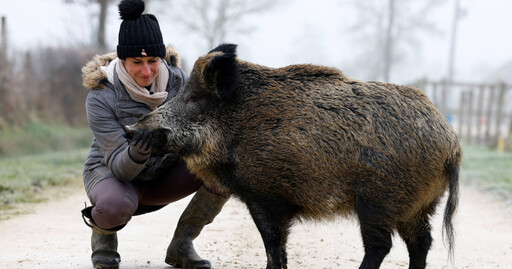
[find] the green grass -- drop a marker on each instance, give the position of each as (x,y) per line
(488,170)
(39,161)
(38,137)
(30,178)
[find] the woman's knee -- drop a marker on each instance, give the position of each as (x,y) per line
(111,213)
(114,204)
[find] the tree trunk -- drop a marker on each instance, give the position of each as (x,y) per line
(388,47)
(453,41)
(101,25)
(4,71)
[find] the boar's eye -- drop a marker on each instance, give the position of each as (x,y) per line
(193,99)
(197,103)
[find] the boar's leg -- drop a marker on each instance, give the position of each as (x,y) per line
(416,234)
(273,222)
(374,231)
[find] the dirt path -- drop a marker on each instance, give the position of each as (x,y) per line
(55,237)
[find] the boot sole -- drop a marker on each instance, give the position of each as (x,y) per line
(203,264)
(103,266)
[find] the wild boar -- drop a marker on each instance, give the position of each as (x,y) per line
(305,142)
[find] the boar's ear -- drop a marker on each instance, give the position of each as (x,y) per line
(222,72)
(226,48)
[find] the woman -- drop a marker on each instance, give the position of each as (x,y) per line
(122,177)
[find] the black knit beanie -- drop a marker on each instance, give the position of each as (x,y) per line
(139,34)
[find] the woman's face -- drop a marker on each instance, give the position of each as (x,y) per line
(142,69)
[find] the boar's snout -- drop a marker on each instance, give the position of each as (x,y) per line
(131,129)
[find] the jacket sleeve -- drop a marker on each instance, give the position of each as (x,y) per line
(184,78)
(110,136)
(178,81)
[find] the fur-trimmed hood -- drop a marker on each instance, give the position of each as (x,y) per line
(93,76)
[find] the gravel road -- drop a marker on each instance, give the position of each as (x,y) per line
(54,236)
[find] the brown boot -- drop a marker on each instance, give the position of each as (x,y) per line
(201,211)
(103,244)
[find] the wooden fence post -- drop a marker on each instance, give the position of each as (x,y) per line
(460,121)
(470,116)
(443,96)
(490,103)
(479,112)
(434,95)
(499,116)
(508,140)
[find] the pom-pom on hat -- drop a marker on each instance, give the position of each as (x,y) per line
(139,34)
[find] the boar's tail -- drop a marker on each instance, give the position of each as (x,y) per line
(452,167)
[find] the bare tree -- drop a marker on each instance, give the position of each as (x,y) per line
(458,14)
(102,18)
(388,45)
(3,43)
(214,20)
(5,70)
(101,24)
(59,95)
(388,28)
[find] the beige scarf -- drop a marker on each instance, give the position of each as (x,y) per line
(141,94)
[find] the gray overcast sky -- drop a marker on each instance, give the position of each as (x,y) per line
(484,44)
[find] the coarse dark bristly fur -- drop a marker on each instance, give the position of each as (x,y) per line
(307,142)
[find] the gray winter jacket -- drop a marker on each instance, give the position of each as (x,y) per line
(109,109)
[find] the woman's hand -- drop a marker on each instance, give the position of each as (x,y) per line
(140,146)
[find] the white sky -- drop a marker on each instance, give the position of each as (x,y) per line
(297,31)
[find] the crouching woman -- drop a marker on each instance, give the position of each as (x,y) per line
(122,176)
